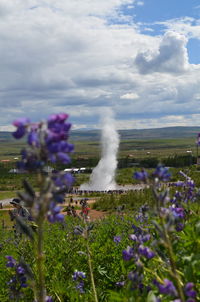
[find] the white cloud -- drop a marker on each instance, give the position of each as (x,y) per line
(140,3)
(171,56)
(79,57)
(129,96)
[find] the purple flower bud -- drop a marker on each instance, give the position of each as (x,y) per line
(128,253)
(63,157)
(142,176)
(120,283)
(33,139)
(20,269)
(146,252)
(80,287)
(189,291)
(117,239)
(21,122)
(54,214)
(21,127)
(20,132)
(11,261)
(179,227)
(162,173)
(77,275)
(48,299)
(133,237)
(167,287)
(178,212)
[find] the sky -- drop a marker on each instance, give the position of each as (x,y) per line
(139,58)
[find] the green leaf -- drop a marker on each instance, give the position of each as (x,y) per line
(26,229)
(151,297)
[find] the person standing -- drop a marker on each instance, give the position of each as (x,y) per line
(18,211)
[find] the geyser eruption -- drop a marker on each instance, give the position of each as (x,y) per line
(103,175)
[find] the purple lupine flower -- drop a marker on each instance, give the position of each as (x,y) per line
(20,269)
(198,139)
(146,252)
(120,283)
(128,253)
(190,182)
(33,138)
(117,239)
(189,291)
(48,299)
(11,261)
(167,287)
(178,213)
(162,173)
(133,237)
(135,276)
(19,280)
(179,183)
(63,158)
(77,275)
(179,226)
(142,176)
(144,238)
(62,180)
(21,127)
(54,215)
(80,287)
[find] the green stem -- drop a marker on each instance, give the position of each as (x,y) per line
(90,262)
(91,272)
(172,262)
(40,263)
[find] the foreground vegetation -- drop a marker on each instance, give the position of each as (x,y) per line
(66,250)
(146,250)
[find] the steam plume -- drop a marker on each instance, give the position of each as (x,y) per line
(103,175)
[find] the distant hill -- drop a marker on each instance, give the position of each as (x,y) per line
(6,136)
(131,134)
(134,134)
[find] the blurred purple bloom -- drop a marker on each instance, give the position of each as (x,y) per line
(63,157)
(128,253)
(33,139)
(133,237)
(54,215)
(63,179)
(19,280)
(120,283)
(77,275)
(179,227)
(178,213)
(146,252)
(21,122)
(80,287)
(167,287)
(189,291)
(11,261)
(198,139)
(117,239)
(162,173)
(135,276)
(142,176)
(48,299)
(21,127)
(20,269)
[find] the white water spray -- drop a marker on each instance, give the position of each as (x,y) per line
(103,175)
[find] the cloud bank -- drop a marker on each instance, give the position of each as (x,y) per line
(84,56)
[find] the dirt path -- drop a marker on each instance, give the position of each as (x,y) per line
(93,214)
